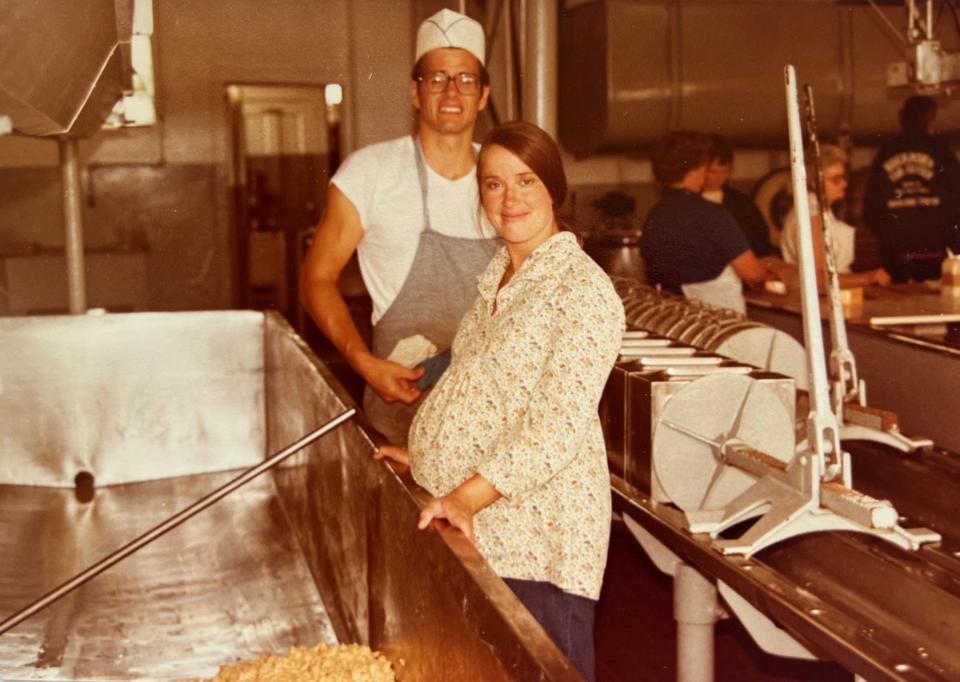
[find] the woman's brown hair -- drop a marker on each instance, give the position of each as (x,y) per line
(536,149)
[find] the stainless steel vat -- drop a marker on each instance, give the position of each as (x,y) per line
(325,549)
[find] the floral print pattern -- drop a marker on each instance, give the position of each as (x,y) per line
(518,405)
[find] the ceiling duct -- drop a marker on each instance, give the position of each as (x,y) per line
(63,65)
(633,70)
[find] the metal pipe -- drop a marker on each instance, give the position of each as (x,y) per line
(540,64)
(510,63)
(695,608)
(171,523)
(73,225)
(498,22)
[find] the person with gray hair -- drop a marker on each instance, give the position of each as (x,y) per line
(833,162)
(408,209)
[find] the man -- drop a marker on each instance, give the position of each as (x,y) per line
(689,245)
(745,212)
(409,208)
(912,200)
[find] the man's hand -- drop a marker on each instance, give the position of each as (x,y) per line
(391,381)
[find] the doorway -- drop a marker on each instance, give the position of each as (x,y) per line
(286,146)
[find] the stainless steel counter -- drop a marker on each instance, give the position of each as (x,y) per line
(915,375)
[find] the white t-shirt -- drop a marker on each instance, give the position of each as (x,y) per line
(842,235)
(382,183)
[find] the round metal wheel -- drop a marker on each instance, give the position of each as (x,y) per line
(769,349)
(668,316)
(692,318)
(694,329)
(649,311)
(719,327)
(698,420)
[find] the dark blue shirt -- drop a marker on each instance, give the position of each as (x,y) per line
(912,205)
(688,239)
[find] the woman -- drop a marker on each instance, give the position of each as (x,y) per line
(509,441)
(834,164)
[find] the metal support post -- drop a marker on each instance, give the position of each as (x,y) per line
(540,65)
(696,609)
(73,225)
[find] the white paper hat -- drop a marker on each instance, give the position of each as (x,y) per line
(447,28)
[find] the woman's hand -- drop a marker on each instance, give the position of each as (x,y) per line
(397,454)
(453,510)
(460,505)
(880,277)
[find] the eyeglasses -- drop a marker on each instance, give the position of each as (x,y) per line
(466,83)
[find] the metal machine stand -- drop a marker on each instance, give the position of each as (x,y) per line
(695,608)
(849,393)
(724,451)
(722,447)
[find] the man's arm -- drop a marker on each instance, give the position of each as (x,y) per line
(334,242)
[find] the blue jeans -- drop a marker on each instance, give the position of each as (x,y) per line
(567,618)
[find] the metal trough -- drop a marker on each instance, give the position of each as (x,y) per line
(162,408)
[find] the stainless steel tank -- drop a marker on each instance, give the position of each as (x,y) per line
(162,408)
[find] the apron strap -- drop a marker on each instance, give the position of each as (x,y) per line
(422,177)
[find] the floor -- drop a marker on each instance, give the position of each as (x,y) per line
(635,630)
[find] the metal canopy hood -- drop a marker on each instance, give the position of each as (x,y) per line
(632,70)
(63,65)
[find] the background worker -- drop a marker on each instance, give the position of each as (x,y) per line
(833,161)
(912,201)
(690,245)
(716,188)
(408,208)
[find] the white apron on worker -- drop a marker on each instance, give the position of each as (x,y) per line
(439,288)
(723,291)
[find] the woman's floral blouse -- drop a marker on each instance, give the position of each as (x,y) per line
(518,405)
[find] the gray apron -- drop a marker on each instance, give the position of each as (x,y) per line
(438,290)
